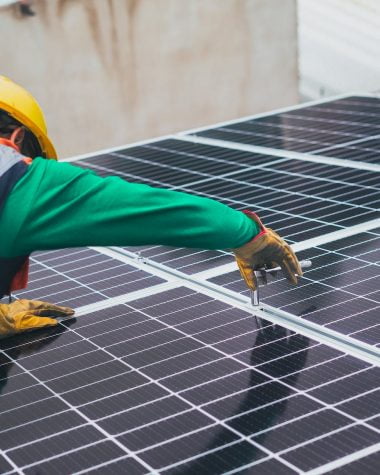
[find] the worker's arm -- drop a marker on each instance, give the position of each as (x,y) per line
(58,205)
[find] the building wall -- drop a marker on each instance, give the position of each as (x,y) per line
(339,46)
(109,72)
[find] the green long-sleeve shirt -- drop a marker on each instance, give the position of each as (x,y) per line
(57,205)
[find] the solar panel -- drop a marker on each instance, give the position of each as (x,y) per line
(163,392)
(163,374)
(309,129)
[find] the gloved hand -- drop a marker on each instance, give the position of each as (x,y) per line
(267,250)
(23,315)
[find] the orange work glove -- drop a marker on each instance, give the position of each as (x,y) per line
(266,250)
(24,315)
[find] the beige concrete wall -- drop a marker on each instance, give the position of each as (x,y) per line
(109,72)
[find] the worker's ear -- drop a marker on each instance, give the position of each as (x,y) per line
(18,136)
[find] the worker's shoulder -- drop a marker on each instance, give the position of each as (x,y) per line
(54,166)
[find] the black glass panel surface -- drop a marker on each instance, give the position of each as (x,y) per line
(364,151)
(76,277)
(179,381)
(339,291)
(309,128)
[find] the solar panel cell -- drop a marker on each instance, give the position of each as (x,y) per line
(223,460)
(345,442)
(368,464)
(79,459)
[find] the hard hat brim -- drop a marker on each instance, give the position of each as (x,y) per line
(47,146)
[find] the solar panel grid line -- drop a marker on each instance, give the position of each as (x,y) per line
(354,101)
(163,165)
(245,203)
(68,452)
(163,148)
(280,110)
(322,170)
(46,287)
(135,260)
(126,175)
(49,263)
(307,157)
(96,272)
(261,208)
(336,235)
(227,356)
(4,431)
(72,253)
(106,304)
(280,316)
(333,323)
(308,130)
(328,121)
(348,112)
(248,465)
(289,449)
(168,252)
(96,468)
(345,460)
(124,298)
(292,193)
(369,265)
(354,296)
(160,183)
(92,423)
(365,296)
(267,139)
(72,279)
(117,148)
(365,328)
(179,371)
(15,468)
(350,142)
(329,180)
(369,152)
(288,137)
(313,141)
(315,439)
(194,406)
(347,345)
(208,452)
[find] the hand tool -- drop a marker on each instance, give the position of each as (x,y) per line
(261,278)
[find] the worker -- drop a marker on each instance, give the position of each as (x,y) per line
(48,205)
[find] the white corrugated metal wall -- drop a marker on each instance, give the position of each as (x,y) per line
(339,46)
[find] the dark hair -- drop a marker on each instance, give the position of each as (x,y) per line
(30,145)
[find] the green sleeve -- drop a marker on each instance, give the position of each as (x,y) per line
(57,205)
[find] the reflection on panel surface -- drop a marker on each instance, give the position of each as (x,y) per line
(180,381)
(340,291)
(324,128)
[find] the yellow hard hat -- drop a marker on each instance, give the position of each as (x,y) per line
(23,107)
